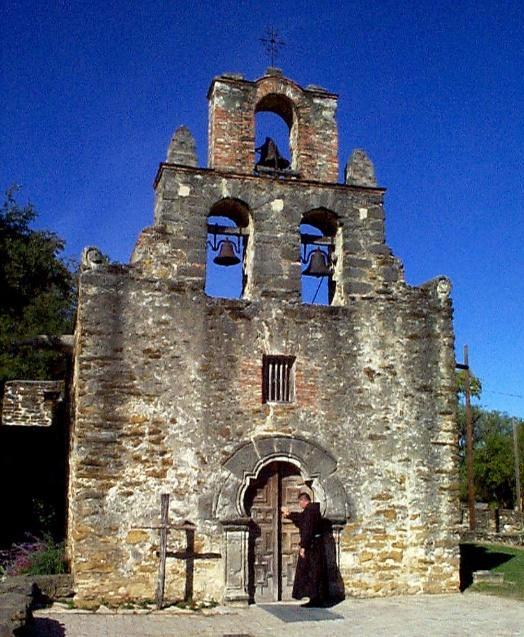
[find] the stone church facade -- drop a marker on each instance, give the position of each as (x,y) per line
(233,406)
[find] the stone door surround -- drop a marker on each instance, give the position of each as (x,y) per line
(316,465)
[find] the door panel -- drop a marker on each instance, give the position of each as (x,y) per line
(274,540)
(265,571)
(292,485)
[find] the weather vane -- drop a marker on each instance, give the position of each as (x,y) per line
(272,43)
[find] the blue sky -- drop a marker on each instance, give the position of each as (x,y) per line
(93,90)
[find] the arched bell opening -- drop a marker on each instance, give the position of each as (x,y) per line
(273,539)
(276,135)
(228,258)
(320,240)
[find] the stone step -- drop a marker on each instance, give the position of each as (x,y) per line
(488,577)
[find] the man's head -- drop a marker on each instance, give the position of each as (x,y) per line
(303,500)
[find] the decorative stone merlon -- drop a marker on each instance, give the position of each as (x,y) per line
(31,403)
(92,259)
(439,287)
(360,170)
(443,288)
(182,149)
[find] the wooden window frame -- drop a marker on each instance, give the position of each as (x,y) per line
(278,379)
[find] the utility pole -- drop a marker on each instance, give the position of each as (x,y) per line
(517,466)
(469,440)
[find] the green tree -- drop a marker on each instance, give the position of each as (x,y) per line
(493,457)
(37,293)
(493,454)
(475,385)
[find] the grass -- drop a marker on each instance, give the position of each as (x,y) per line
(498,558)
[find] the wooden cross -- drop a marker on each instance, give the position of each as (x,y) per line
(189,554)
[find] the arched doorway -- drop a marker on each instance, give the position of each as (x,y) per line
(244,473)
(273,540)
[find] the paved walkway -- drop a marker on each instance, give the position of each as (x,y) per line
(457,615)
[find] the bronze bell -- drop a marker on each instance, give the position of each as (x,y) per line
(227,255)
(318,264)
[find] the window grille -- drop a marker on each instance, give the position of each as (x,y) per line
(278,379)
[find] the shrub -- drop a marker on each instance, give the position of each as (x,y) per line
(49,560)
(39,557)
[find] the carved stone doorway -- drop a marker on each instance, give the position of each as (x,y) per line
(273,540)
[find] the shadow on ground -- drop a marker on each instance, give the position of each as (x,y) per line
(43,627)
(477,558)
(293,613)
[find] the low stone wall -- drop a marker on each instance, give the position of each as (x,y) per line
(15,604)
(494,521)
(31,403)
(18,594)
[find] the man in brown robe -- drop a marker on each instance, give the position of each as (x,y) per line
(310,576)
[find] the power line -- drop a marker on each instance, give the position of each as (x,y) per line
(502,393)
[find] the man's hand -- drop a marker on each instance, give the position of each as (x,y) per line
(285,511)
(302,552)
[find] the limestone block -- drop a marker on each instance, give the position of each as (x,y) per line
(31,403)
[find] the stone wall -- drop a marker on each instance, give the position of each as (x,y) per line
(168,385)
(176,245)
(168,381)
(31,403)
(494,521)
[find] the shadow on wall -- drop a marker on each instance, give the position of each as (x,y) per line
(335,582)
(33,462)
(188,555)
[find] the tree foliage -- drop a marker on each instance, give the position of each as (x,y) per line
(493,449)
(37,293)
(493,456)
(475,386)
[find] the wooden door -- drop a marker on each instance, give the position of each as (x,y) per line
(264,553)
(291,486)
(274,540)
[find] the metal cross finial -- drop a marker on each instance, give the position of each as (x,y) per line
(272,43)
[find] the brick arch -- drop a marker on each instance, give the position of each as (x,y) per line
(278,84)
(286,99)
(315,463)
(310,113)
(280,104)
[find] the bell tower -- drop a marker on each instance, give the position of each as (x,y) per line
(309,114)
(292,231)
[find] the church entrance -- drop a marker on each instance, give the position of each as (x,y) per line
(274,540)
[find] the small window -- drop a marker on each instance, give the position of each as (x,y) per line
(278,379)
